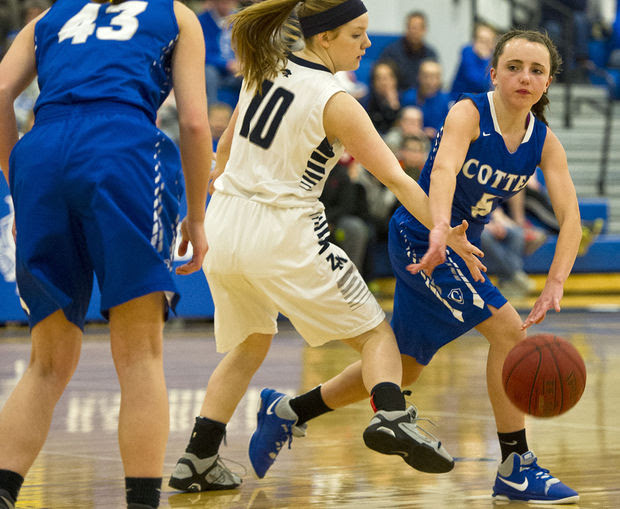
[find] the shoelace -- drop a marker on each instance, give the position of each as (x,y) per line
(413,412)
(220,460)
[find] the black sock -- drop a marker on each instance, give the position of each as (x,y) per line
(309,405)
(513,442)
(387,396)
(143,490)
(11,482)
(206,437)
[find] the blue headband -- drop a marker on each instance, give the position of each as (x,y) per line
(331,18)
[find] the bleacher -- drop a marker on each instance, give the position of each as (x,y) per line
(583,144)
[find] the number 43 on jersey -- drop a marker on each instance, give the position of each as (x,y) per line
(81,26)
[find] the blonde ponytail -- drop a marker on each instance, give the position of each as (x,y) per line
(258,40)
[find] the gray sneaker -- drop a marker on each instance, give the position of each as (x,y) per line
(397,432)
(6,501)
(207,474)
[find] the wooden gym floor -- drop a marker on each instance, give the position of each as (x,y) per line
(79,466)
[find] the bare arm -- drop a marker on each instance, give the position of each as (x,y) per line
(223,150)
(566,209)
(195,135)
(460,128)
(345,119)
(17,70)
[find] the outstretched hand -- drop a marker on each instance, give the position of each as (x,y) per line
(456,238)
(192,232)
(436,252)
(549,299)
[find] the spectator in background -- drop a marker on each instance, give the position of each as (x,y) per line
(502,242)
(168,118)
(24,104)
(348,80)
(473,73)
(346,209)
(383,102)
(412,155)
(219,116)
(577,33)
(410,50)
(429,96)
(221,66)
(409,122)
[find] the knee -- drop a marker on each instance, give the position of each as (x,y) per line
(56,369)
(254,349)
(510,338)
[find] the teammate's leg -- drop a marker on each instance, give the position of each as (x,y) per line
(26,416)
(136,331)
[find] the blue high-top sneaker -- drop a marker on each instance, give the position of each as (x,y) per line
(276,425)
(520,478)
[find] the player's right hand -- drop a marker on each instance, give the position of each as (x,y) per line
(192,232)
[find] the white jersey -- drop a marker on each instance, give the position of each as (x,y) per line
(280,154)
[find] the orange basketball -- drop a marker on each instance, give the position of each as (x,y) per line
(544,375)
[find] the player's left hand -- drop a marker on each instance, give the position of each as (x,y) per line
(549,299)
(192,232)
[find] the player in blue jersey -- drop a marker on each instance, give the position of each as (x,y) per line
(489,147)
(268,236)
(96,188)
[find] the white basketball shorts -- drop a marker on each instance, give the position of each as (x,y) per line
(264,260)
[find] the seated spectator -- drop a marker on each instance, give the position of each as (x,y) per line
(383,101)
(219,116)
(24,104)
(410,50)
(168,118)
(346,209)
(473,73)
(221,66)
(538,210)
(429,96)
(502,242)
(571,36)
(412,155)
(409,122)
(348,80)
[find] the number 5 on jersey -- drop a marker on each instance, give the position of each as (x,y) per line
(81,26)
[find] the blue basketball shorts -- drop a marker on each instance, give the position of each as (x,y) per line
(429,312)
(96,189)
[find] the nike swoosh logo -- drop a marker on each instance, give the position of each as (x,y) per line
(486,134)
(514,442)
(517,486)
(272,406)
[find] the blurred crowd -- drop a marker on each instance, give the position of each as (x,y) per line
(407,100)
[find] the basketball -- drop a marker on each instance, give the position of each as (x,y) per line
(544,375)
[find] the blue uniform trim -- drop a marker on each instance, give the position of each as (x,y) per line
(431,312)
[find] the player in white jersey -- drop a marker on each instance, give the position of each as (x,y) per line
(269,250)
(491,144)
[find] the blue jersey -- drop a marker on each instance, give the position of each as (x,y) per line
(491,173)
(88,52)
